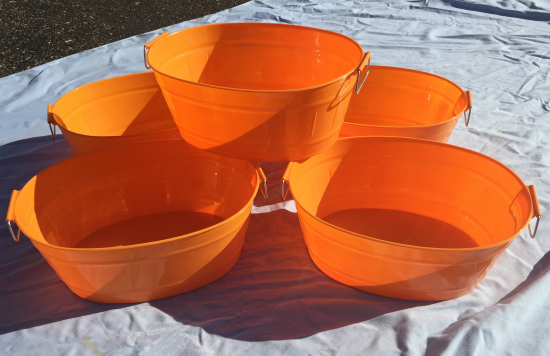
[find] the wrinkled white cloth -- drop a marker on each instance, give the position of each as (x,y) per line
(275,301)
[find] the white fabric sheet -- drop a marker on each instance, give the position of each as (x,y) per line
(275,301)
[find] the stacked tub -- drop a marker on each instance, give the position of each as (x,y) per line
(143,214)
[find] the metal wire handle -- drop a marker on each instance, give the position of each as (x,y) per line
(148,46)
(51,121)
(467,120)
(16,239)
(283,193)
(536,227)
(145,50)
(357,86)
(265,189)
(52,130)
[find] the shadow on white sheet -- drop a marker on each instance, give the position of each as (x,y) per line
(274,292)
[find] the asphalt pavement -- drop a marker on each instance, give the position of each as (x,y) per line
(34,32)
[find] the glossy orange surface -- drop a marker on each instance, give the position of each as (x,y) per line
(408,218)
(406,103)
(112,112)
(257,91)
(139,222)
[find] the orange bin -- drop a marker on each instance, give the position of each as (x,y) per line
(112,112)
(406,103)
(257,91)
(138,222)
(408,218)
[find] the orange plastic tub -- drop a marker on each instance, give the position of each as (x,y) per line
(406,103)
(112,112)
(408,218)
(138,222)
(257,91)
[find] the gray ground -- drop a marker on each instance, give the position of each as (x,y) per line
(34,32)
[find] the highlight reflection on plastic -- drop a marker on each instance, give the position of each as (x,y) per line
(257,91)
(408,218)
(110,221)
(406,103)
(112,112)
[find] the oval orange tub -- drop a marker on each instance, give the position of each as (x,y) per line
(406,103)
(257,91)
(408,218)
(112,112)
(138,222)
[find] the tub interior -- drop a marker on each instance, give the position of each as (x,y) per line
(255,57)
(96,202)
(401,227)
(412,192)
(397,97)
(121,106)
(149,228)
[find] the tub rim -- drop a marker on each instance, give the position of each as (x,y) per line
(63,126)
(415,126)
(13,210)
(335,80)
(288,172)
